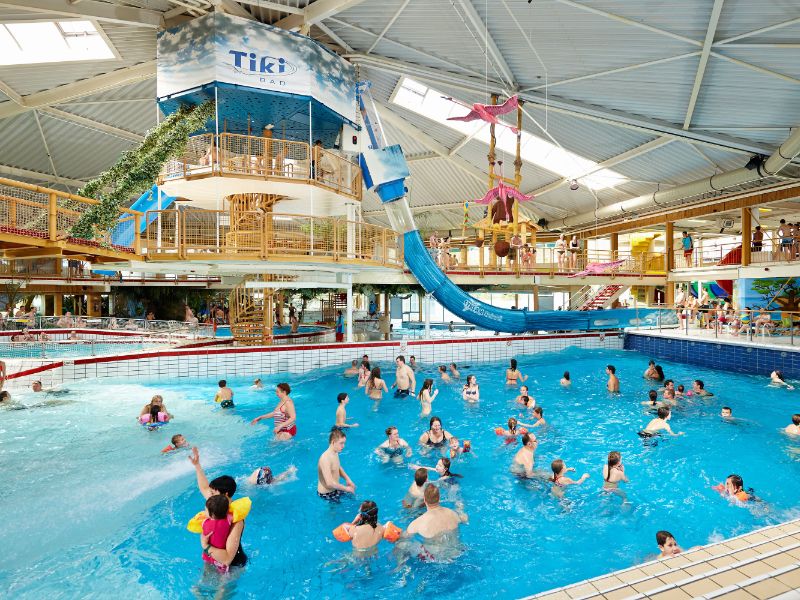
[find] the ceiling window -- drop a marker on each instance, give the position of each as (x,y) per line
(429,103)
(52,42)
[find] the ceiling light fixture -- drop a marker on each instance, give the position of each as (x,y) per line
(573,185)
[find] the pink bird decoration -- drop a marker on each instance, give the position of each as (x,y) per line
(502,191)
(487,112)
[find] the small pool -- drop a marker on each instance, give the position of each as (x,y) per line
(93,507)
(74,348)
(225,330)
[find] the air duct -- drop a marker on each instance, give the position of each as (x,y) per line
(771,167)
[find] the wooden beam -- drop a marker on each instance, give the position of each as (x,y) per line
(747,233)
(43,252)
(725,204)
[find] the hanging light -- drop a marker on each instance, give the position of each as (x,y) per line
(573,185)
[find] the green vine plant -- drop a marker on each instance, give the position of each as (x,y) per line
(137,169)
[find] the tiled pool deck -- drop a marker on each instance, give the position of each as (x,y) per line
(762,564)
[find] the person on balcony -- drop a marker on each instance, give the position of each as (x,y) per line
(339,326)
(688,248)
(574,248)
(758,239)
(316,160)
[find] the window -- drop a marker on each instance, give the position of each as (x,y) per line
(51,42)
(431,104)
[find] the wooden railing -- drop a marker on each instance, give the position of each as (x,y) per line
(235,154)
(195,233)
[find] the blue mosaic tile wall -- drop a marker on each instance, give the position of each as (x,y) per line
(725,357)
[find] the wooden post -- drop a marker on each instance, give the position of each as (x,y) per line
(492,144)
(669,257)
(492,255)
(747,234)
(137,235)
(481,243)
(535,297)
(58,305)
(387,314)
(614,245)
(518,165)
(52,221)
(420,300)
(93,305)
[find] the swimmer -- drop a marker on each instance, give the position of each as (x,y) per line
(375,385)
(526,400)
(733,488)
(455,448)
(652,399)
(699,388)
(776,379)
(454,373)
(264,476)
(538,414)
(443,374)
(352,370)
(3,374)
(394,446)
(680,391)
(471,392)
(513,375)
(442,468)
(565,380)
(659,424)
(512,430)
(224,395)
(341,411)
(525,458)
(157,399)
(284,415)
(154,417)
(36,386)
(794,428)
(414,496)
(412,362)
(667,544)
(436,436)
(437,519)
(669,390)
(365,532)
(177,442)
(426,397)
(216,529)
(650,372)
(726,412)
(330,471)
(613,473)
(613,381)
(257,385)
(558,479)
(5,398)
(363,373)
(405,382)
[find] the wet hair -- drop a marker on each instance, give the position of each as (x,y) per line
(284,387)
(454,365)
(369,513)
(566,375)
(4,395)
(538,410)
(428,384)
(470,377)
(431,494)
(365,364)
(795,418)
(513,364)
(420,476)
(736,481)
(614,458)
(217,506)
(402,359)
(174,439)
(512,425)
(157,399)
(611,368)
(442,369)
(660,372)
(651,363)
(341,397)
(412,357)
(663,412)
(653,396)
(557,466)
(336,434)
(154,410)
(700,383)
(389,430)
(446,464)
(680,388)
(667,382)
(224,484)
(779,374)
(373,375)
(432,421)
(662,537)
(222,383)
(354,362)
(528,437)
(728,408)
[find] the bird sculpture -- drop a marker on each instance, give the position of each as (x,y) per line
(487,112)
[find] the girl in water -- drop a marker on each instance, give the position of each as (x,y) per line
(513,374)
(394,446)
(284,414)
(426,396)
(613,473)
(436,436)
(363,373)
(565,381)
(470,391)
(365,532)
(559,480)
(375,386)
(442,468)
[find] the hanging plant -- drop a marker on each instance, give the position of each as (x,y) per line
(137,169)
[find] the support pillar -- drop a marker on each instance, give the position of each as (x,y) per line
(351,231)
(492,255)
(669,293)
(669,254)
(420,300)
(349,316)
(614,245)
(427,316)
(535,297)
(58,305)
(93,306)
(387,315)
(747,235)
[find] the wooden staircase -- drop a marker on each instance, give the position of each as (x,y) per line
(251,314)
(603,297)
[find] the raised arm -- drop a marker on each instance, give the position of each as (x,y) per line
(202,480)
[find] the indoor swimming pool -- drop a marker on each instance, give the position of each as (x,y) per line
(94,507)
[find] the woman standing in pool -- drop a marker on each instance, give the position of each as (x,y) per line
(513,375)
(394,446)
(363,373)
(436,436)
(565,380)
(158,401)
(375,386)
(284,414)
(613,473)
(426,396)
(470,392)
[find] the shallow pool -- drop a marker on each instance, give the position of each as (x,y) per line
(93,509)
(74,348)
(225,330)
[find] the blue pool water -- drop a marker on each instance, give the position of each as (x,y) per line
(59,349)
(92,509)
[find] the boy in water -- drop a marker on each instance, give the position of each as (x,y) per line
(341,411)
(726,412)
(794,428)
(178,441)
(667,544)
(659,424)
(613,381)
(224,395)
(415,495)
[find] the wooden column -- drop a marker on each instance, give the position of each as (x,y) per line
(669,255)
(58,305)
(387,314)
(669,293)
(420,300)
(492,255)
(614,245)
(52,222)
(747,235)
(92,305)
(535,297)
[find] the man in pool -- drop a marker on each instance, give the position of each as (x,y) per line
(36,386)
(437,519)
(412,362)
(613,381)
(330,471)
(232,554)
(405,382)
(352,370)
(524,459)
(659,424)
(794,428)
(224,395)
(699,388)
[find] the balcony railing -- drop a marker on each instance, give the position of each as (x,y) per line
(707,254)
(200,234)
(235,154)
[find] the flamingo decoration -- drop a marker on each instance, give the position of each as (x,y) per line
(487,112)
(501,191)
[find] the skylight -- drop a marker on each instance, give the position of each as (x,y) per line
(51,42)
(425,101)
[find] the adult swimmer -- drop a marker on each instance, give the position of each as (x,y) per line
(525,458)
(436,521)
(776,379)
(613,381)
(699,388)
(436,436)
(471,392)
(565,380)
(155,400)
(330,471)
(284,414)
(232,554)
(659,424)
(404,381)
(352,370)
(375,386)
(426,396)
(794,427)
(442,468)
(513,374)
(525,398)
(394,446)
